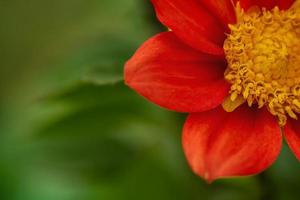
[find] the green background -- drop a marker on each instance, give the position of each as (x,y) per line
(71,130)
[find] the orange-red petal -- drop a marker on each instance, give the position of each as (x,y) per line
(269,4)
(192,23)
(245,4)
(292,136)
(285,4)
(175,76)
(223,9)
(219,144)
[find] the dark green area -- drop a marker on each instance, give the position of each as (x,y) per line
(71,130)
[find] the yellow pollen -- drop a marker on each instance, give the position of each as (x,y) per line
(263,55)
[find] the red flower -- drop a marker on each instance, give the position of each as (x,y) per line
(234,66)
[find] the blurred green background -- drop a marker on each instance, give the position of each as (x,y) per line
(71,130)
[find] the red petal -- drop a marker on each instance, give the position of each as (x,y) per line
(246,4)
(269,4)
(292,136)
(192,23)
(285,4)
(223,9)
(219,144)
(175,76)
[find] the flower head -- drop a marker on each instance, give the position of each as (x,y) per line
(235,67)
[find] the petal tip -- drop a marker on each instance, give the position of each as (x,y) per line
(220,145)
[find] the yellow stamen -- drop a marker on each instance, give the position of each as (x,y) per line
(263,54)
(230,105)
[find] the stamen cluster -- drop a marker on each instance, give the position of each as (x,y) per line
(263,54)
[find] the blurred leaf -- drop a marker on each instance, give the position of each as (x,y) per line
(100,126)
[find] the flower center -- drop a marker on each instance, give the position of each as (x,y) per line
(263,55)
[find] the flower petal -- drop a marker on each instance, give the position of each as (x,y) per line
(292,136)
(246,4)
(223,9)
(269,4)
(285,4)
(175,76)
(219,144)
(192,23)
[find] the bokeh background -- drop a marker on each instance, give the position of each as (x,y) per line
(71,130)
